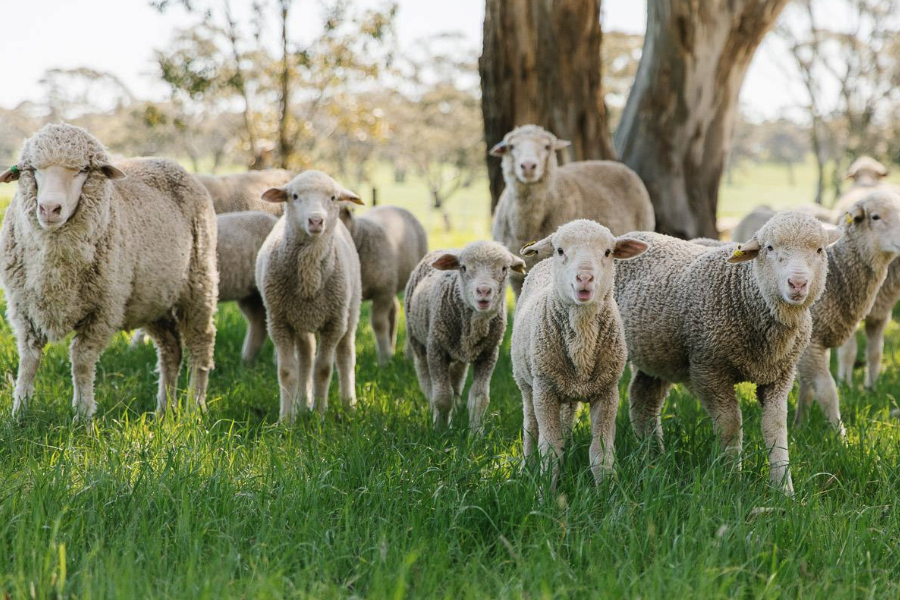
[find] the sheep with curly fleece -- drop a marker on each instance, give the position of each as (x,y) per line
(240,192)
(568,345)
(92,248)
(857,266)
(713,317)
(455,315)
(390,242)
(307,272)
(540,195)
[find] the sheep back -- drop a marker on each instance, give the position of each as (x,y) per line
(240,236)
(241,191)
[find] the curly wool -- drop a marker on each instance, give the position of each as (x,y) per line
(241,191)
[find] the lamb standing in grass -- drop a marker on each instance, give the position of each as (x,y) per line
(692,318)
(240,192)
(390,242)
(455,315)
(308,274)
(540,195)
(567,341)
(92,248)
(857,266)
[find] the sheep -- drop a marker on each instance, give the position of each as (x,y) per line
(757,217)
(540,195)
(92,248)
(390,242)
(455,315)
(241,234)
(857,266)
(240,192)
(713,317)
(567,340)
(307,272)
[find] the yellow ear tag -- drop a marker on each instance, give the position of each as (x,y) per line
(848,218)
(525,248)
(737,253)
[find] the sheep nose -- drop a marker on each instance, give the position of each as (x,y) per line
(584,277)
(484,291)
(798,284)
(49,209)
(528,166)
(316,222)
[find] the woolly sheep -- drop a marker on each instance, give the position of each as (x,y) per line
(241,235)
(455,315)
(94,248)
(390,242)
(857,266)
(756,218)
(540,195)
(567,341)
(692,318)
(307,272)
(240,192)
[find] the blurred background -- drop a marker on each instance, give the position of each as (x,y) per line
(771,100)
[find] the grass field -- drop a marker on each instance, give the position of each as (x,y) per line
(376,505)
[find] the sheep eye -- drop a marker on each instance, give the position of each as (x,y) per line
(84,170)
(512,146)
(296,197)
(770,248)
(547,147)
(560,251)
(333,198)
(462,268)
(875,217)
(608,252)
(819,250)
(505,269)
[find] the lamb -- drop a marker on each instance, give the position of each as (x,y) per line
(721,324)
(390,242)
(92,248)
(241,191)
(567,341)
(455,315)
(857,266)
(241,235)
(757,217)
(307,272)
(540,195)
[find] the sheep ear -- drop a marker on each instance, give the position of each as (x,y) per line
(500,149)
(629,248)
(275,195)
(545,246)
(745,252)
(348,196)
(447,262)
(856,214)
(560,144)
(834,234)
(110,172)
(11,174)
(517,264)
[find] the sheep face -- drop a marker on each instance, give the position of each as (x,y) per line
(313,202)
(527,152)
(790,262)
(481,271)
(866,171)
(875,222)
(583,254)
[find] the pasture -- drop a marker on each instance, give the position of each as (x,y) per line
(377,505)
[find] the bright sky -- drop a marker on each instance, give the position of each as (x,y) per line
(119,36)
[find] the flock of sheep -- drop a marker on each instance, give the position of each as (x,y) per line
(94,248)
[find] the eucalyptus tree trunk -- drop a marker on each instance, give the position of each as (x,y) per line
(541,65)
(677,125)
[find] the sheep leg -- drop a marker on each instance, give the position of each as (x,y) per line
(480,392)
(420,360)
(846,359)
(458,372)
(346,367)
(567,413)
(305,345)
(164,334)
(441,387)
(718,398)
(646,395)
(530,430)
(603,433)
(31,348)
(381,325)
(322,369)
(550,439)
(288,371)
(875,327)
(137,339)
(255,314)
(393,315)
(773,399)
(199,334)
(816,382)
(84,353)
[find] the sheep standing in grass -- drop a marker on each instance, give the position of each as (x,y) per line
(240,192)
(692,318)
(92,248)
(390,242)
(567,342)
(241,235)
(455,315)
(307,272)
(540,195)
(857,266)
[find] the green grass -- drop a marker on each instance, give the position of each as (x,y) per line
(377,505)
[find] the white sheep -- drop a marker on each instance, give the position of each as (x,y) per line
(691,317)
(240,192)
(540,195)
(857,266)
(455,315)
(390,242)
(757,217)
(568,345)
(307,272)
(92,248)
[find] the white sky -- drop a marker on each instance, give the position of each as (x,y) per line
(119,36)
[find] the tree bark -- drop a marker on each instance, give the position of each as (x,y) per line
(541,64)
(285,147)
(678,122)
